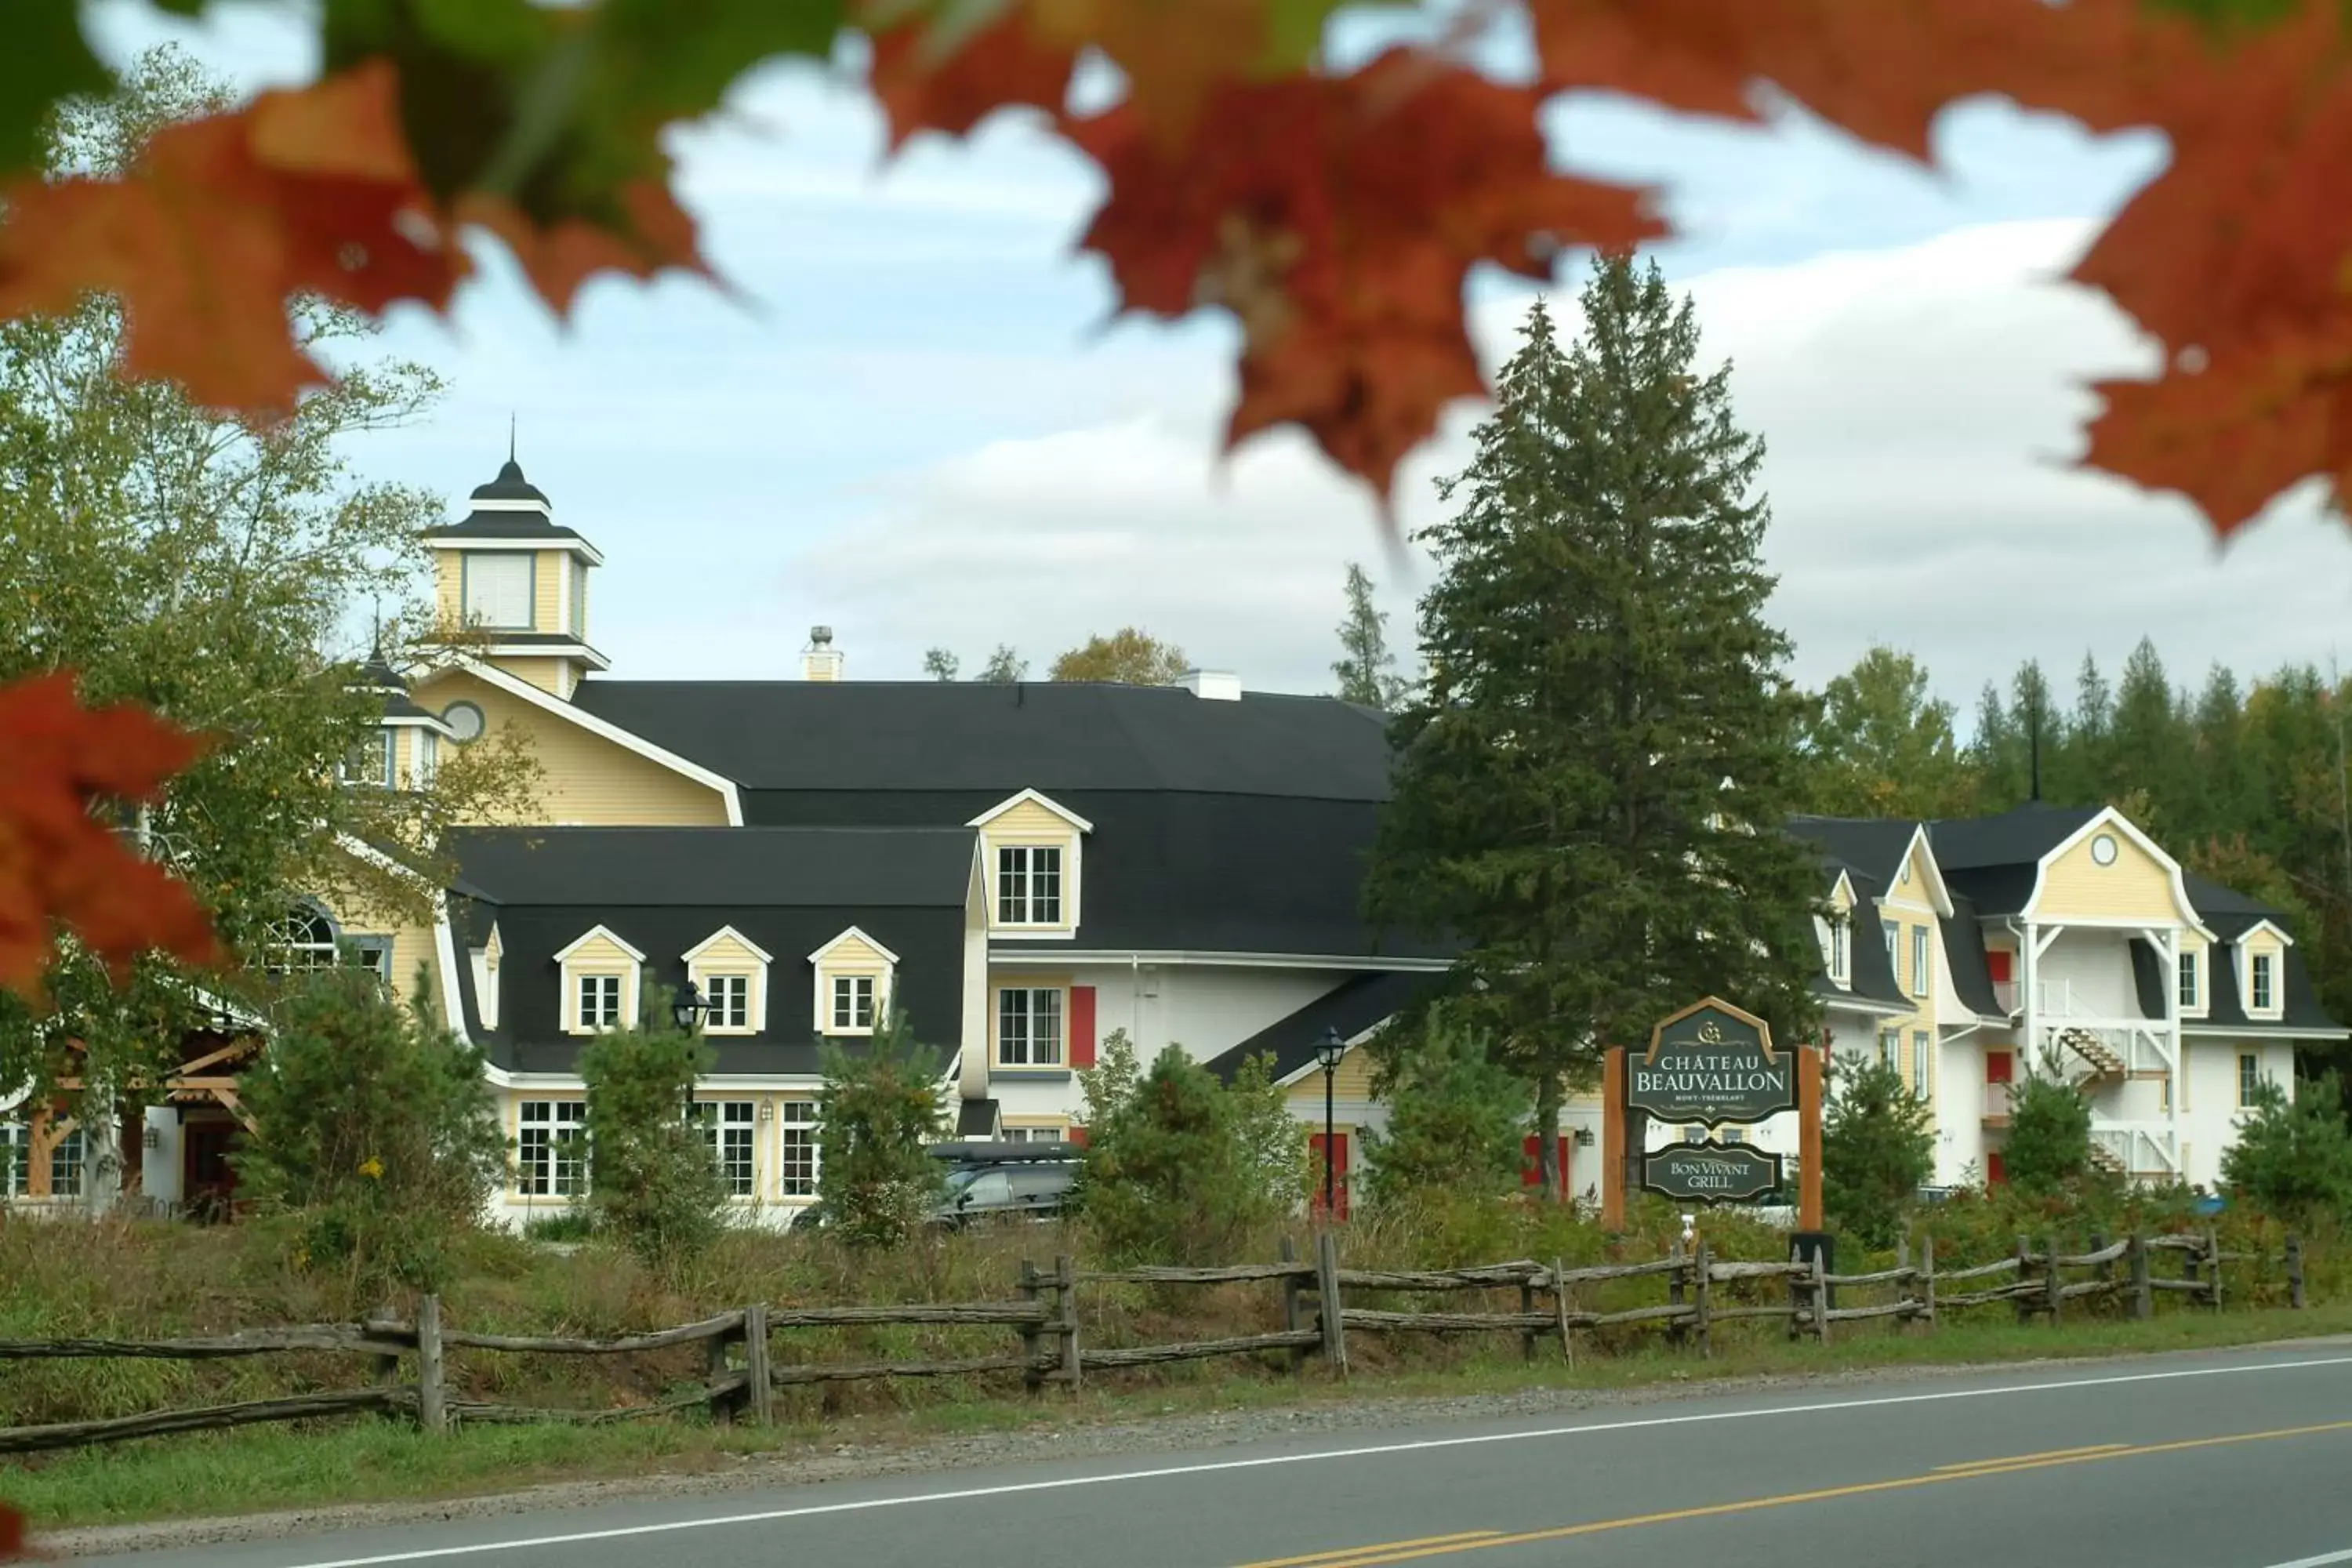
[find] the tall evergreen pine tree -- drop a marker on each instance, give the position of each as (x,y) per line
(1590,784)
(1365,668)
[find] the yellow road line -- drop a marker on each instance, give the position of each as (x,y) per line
(2023,1458)
(1465,1537)
(1374,1556)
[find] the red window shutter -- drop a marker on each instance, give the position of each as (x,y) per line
(1082,1026)
(1078,1135)
(1567,1142)
(1997,964)
(1532,1169)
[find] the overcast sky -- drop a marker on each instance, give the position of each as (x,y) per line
(915,423)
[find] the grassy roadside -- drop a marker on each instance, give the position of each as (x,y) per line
(261,1469)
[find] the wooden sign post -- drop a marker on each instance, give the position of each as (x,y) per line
(1808,1138)
(1613,1152)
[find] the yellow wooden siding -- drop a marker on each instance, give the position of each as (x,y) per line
(585,778)
(2077,887)
(412,944)
(728,956)
(449,588)
(854,956)
(1353,1081)
(1030,823)
(552,676)
(599,954)
(547,586)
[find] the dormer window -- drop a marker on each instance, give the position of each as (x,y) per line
(600,983)
(1029,885)
(2261,984)
(369,762)
(853,1003)
(855,974)
(728,1002)
(498,588)
(2192,992)
(1841,952)
(600,1002)
(730,971)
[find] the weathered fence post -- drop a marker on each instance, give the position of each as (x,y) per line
(1799,1300)
(2295,1295)
(1928,1280)
(1327,1280)
(1820,1297)
(2213,1255)
(1700,1294)
(2104,1272)
(2051,1286)
(758,1390)
(1559,1305)
(432,1399)
(1527,1310)
(1032,1376)
(1903,1279)
(2143,1291)
(1293,1314)
(722,1406)
(1065,1286)
(1675,1332)
(387,1367)
(2024,1302)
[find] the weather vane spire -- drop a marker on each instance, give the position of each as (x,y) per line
(511,435)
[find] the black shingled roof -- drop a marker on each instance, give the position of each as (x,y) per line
(1054,736)
(1353,1006)
(509,486)
(2012,838)
(1871,846)
(504,525)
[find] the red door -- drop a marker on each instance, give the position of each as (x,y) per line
(1998,1064)
(208,1177)
(1338,1172)
(1531,1170)
(1995,1173)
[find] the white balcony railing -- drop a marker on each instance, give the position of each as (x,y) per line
(1996,1102)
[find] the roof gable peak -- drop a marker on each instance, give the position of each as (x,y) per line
(1032,797)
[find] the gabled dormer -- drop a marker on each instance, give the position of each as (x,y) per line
(854,977)
(729,971)
(1032,848)
(1835,932)
(486,960)
(2261,951)
(601,975)
(513,585)
(403,750)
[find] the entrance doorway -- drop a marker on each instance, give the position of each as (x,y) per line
(207,1177)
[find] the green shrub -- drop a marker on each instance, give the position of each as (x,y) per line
(653,1182)
(879,1106)
(1878,1147)
(1457,1121)
(2049,1148)
(2293,1157)
(1178,1168)
(376,1136)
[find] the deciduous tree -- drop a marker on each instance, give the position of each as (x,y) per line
(1128,657)
(1882,745)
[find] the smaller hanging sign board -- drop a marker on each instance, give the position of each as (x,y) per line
(1711,1173)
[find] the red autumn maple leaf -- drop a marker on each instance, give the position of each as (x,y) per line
(1337,218)
(61,865)
(223,219)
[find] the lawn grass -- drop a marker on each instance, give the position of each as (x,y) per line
(368,1460)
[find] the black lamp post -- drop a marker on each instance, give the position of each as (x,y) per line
(1329,1050)
(687,1008)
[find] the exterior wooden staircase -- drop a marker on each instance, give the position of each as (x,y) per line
(2100,1062)
(2108,1160)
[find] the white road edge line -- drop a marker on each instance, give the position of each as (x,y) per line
(2343,1556)
(1010,1488)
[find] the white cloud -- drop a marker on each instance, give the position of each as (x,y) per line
(1920,407)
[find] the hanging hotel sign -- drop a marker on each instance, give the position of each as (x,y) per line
(1711,1173)
(1711,1063)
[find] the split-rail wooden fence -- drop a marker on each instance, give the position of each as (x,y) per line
(742,1377)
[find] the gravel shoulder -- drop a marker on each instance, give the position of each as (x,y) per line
(1101,1434)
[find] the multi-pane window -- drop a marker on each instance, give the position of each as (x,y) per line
(1029,1028)
(66,1162)
(550,1153)
(798,1118)
(600,1001)
(1922,967)
(15,1159)
(1841,950)
(853,1000)
(304,939)
(1890,1049)
(1922,1056)
(729,997)
(2249,1077)
(1032,1134)
(369,762)
(1893,954)
(2262,990)
(498,588)
(726,1124)
(2189,990)
(428,758)
(1029,885)
(579,598)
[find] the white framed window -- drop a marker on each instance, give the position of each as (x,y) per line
(69,1160)
(1893,952)
(304,939)
(1029,1028)
(599,1000)
(853,1001)
(369,762)
(727,1125)
(428,758)
(1841,951)
(1029,885)
(797,1120)
(498,588)
(1053,1134)
(15,1159)
(1922,965)
(550,1149)
(2192,993)
(579,570)
(1923,1057)
(2262,988)
(2249,1077)
(1890,1049)
(730,1001)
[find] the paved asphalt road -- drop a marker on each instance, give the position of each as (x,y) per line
(2237,1460)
